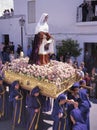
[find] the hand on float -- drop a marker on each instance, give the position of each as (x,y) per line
(60,115)
(36,110)
(16,97)
(70,101)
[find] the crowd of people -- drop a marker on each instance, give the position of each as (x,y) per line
(9,53)
(7,13)
(86,11)
(27,108)
(6,50)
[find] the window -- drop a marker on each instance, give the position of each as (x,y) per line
(31,11)
(87,11)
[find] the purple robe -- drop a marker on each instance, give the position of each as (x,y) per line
(60,123)
(85,107)
(80,123)
(2,101)
(33,103)
(17,107)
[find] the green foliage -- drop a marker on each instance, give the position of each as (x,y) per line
(69,46)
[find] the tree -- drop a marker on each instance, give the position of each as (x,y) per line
(69,47)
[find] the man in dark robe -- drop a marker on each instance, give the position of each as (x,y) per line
(80,95)
(85,106)
(2,99)
(16,98)
(77,118)
(59,113)
(34,109)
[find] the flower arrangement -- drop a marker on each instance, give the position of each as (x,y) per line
(54,72)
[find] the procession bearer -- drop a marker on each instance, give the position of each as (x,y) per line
(16,98)
(60,113)
(2,99)
(34,109)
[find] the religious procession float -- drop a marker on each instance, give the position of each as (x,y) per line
(53,78)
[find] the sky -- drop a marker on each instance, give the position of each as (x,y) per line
(5,4)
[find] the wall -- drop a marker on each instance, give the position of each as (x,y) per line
(62,22)
(11,26)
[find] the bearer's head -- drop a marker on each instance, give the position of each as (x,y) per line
(35,91)
(15,85)
(75,88)
(82,83)
(62,99)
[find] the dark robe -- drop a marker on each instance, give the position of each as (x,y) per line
(85,107)
(8,104)
(80,123)
(34,58)
(33,120)
(84,12)
(17,107)
(2,101)
(60,123)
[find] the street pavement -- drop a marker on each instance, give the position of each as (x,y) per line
(93,115)
(47,125)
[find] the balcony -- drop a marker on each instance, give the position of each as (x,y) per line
(87,13)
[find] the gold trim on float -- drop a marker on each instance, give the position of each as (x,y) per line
(47,89)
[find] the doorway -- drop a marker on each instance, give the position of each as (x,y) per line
(90,55)
(6,39)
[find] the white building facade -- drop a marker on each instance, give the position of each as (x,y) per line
(62,22)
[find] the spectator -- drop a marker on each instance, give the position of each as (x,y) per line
(5,55)
(61,58)
(84,69)
(19,49)
(94,82)
(11,55)
(84,11)
(6,13)
(81,73)
(53,57)
(21,54)
(87,79)
(11,12)
(11,47)
(87,59)
(1,49)
(90,14)
(75,63)
(29,51)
